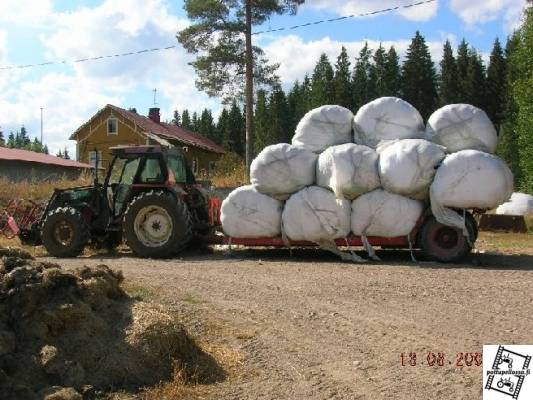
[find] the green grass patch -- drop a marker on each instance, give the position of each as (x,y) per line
(140,292)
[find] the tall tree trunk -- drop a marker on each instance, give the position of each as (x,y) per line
(249,88)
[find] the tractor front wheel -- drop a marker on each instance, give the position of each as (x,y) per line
(157,224)
(64,232)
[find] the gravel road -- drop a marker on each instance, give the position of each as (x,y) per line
(311,327)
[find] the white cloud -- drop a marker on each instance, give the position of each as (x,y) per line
(70,97)
(26,12)
(298,57)
(475,12)
(422,12)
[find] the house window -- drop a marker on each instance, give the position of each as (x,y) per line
(195,166)
(112,126)
(92,158)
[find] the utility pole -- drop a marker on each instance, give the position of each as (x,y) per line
(249,87)
(41,126)
(155,96)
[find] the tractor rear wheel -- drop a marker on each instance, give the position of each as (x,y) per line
(445,243)
(64,232)
(157,224)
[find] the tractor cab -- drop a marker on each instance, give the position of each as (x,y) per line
(134,169)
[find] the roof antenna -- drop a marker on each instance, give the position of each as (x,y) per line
(155,97)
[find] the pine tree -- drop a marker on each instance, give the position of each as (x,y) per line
(205,125)
(24,138)
(522,91)
(360,78)
(2,140)
(419,78)
(476,82)
(508,136)
(342,81)
(462,61)
(322,85)
(392,73)
(496,85)
(11,143)
(222,130)
(448,83)
(45,150)
(262,122)
(278,111)
(66,156)
(186,120)
(236,134)
(176,120)
(194,122)
(59,154)
(377,72)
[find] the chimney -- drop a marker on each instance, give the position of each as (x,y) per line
(154,115)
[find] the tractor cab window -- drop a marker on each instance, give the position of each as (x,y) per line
(151,172)
(123,171)
(176,164)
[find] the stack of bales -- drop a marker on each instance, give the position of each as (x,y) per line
(371,174)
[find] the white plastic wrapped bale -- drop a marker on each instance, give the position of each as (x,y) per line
(281,169)
(407,166)
(246,213)
(461,127)
(380,213)
(348,169)
(520,204)
(315,214)
(323,127)
(387,118)
(469,179)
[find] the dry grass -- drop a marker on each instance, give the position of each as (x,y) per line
(230,171)
(37,190)
(507,243)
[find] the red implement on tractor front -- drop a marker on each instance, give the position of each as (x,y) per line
(19,217)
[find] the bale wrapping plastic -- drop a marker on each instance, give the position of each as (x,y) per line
(461,127)
(246,213)
(519,204)
(407,166)
(380,213)
(315,214)
(387,118)
(469,179)
(348,169)
(281,169)
(323,127)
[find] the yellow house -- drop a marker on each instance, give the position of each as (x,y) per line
(114,126)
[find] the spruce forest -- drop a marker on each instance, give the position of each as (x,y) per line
(502,87)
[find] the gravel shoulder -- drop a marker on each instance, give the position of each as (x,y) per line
(307,326)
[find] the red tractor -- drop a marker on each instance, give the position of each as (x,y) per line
(151,201)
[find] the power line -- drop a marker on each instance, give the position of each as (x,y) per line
(131,53)
(155,49)
(384,10)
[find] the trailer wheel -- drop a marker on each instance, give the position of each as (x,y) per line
(157,225)
(445,243)
(64,232)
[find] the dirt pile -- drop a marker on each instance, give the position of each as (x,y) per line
(75,334)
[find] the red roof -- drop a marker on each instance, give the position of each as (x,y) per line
(169,131)
(32,156)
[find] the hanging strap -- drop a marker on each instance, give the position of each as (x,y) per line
(413,259)
(369,249)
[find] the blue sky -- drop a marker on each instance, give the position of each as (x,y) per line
(51,30)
